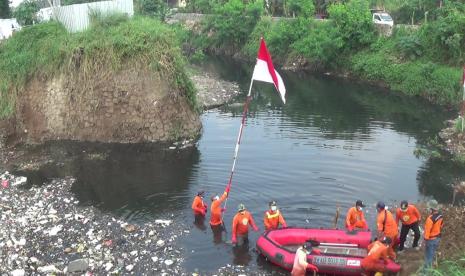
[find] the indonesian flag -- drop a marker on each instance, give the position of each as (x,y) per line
(264,70)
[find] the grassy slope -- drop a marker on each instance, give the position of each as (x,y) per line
(47,49)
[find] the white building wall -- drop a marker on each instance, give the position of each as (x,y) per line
(7,26)
(76,17)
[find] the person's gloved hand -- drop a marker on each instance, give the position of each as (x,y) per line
(284,225)
(203,212)
(228,188)
(234,240)
(223,209)
(312,267)
(350,228)
(205,208)
(255,228)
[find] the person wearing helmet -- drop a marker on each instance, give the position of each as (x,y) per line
(410,217)
(198,206)
(378,250)
(300,260)
(240,225)
(273,217)
(355,218)
(387,226)
(433,227)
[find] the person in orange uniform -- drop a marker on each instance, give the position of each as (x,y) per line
(410,217)
(378,251)
(240,225)
(355,218)
(387,226)
(198,206)
(433,227)
(215,208)
(300,260)
(273,217)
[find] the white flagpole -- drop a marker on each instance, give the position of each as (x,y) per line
(238,141)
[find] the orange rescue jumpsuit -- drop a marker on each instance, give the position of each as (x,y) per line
(377,251)
(433,229)
(408,217)
(388,226)
(273,219)
(240,225)
(355,219)
(199,207)
(216,210)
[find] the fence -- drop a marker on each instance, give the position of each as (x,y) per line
(76,17)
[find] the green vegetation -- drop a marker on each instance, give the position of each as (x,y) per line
(111,43)
(421,61)
(5,9)
(450,268)
(153,8)
(25,13)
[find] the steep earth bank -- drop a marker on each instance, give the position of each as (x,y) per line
(129,106)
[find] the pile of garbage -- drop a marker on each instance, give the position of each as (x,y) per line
(44,231)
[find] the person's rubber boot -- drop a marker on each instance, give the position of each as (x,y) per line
(378,274)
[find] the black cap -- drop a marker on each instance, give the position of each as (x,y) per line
(380,205)
(272,203)
(307,246)
(201,193)
(403,205)
(359,203)
(386,240)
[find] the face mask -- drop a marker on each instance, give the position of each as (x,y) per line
(217,197)
(360,208)
(273,208)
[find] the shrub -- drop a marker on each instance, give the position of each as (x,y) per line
(25,13)
(231,24)
(445,37)
(353,20)
(302,8)
(409,46)
(199,6)
(154,8)
(321,44)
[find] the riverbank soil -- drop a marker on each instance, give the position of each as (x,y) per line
(454,141)
(452,243)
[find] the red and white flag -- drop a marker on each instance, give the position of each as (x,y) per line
(264,70)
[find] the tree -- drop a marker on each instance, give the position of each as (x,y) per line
(353,20)
(300,8)
(154,8)
(5,11)
(25,13)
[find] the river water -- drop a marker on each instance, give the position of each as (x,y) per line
(335,141)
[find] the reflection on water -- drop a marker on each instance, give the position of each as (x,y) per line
(436,177)
(135,180)
(333,142)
